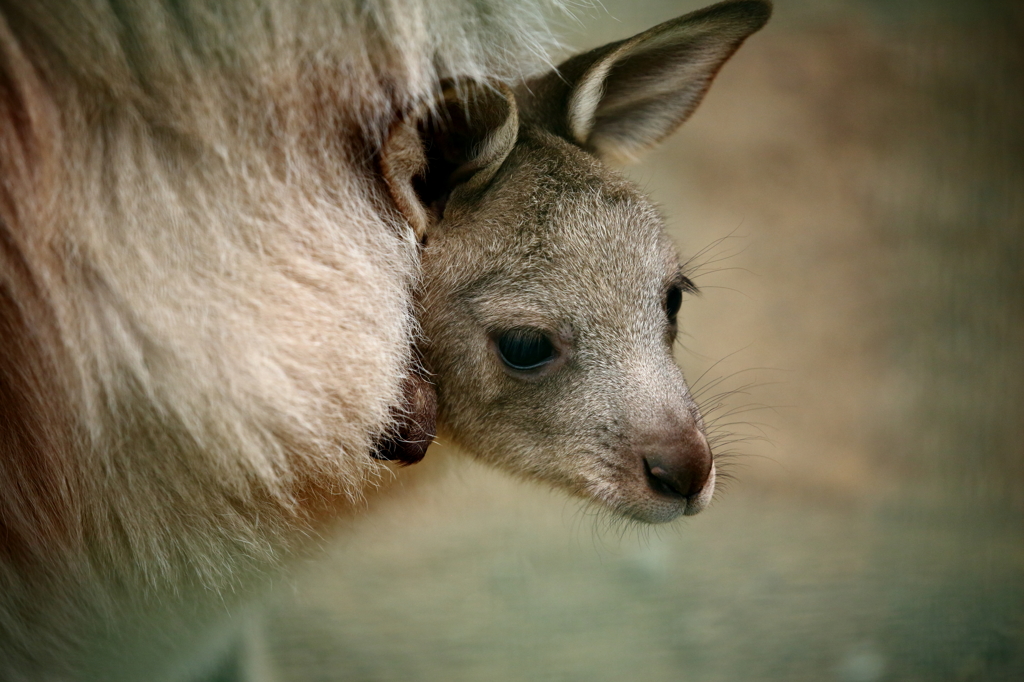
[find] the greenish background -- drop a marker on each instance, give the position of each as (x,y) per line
(852,192)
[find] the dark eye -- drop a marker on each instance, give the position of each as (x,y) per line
(673,299)
(525,348)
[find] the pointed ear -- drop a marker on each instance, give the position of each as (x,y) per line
(620,99)
(453,144)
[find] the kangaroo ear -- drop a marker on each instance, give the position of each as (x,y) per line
(453,144)
(624,97)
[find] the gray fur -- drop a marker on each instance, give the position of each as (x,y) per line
(558,264)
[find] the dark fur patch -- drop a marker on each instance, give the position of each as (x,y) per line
(415,421)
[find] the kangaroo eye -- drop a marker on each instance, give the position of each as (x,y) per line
(673,299)
(524,349)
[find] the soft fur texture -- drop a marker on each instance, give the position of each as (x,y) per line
(210,225)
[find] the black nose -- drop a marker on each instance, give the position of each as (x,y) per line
(681,468)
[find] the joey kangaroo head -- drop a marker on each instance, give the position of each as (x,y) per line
(550,291)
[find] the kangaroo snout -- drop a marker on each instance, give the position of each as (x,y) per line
(678,464)
(679,468)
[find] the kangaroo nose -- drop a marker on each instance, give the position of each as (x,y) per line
(681,469)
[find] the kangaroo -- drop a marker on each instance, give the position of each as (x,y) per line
(250,250)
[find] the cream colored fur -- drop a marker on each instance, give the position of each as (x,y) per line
(194,241)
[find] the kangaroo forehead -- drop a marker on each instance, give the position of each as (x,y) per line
(545,219)
(560,194)
(577,259)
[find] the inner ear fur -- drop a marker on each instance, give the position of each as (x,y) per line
(622,98)
(456,142)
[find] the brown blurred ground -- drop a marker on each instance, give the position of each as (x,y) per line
(858,173)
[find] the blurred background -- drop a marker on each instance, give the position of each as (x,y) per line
(851,194)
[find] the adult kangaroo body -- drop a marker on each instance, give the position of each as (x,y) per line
(231,235)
